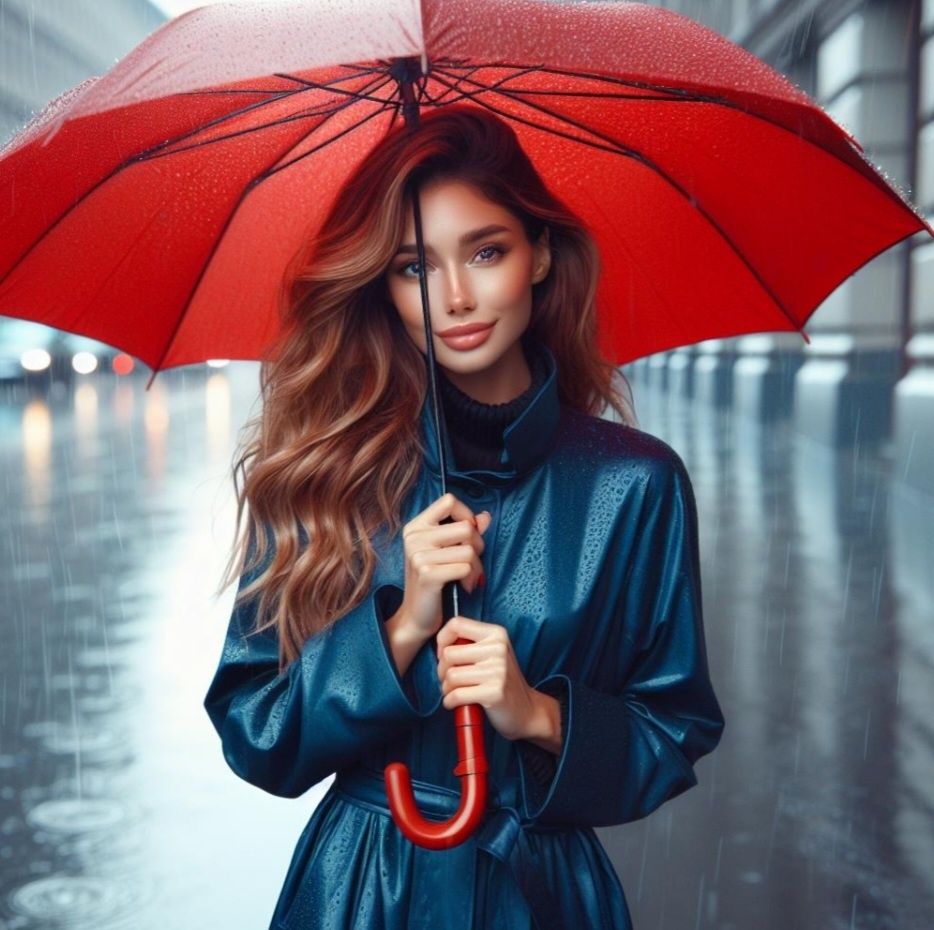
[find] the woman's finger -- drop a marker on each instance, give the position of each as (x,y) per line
(464,654)
(465,694)
(445,534)
(444,555)
(443,638)
(463,676)
(449,633)
(467,626)
(445,506)
(459,653)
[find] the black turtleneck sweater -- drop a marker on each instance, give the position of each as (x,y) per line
(476,433)
(475,428)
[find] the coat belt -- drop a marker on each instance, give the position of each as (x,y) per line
(451,871)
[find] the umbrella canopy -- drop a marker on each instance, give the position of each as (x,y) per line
(155,208)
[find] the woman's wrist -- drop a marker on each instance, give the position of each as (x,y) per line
(545,725)
(404,640)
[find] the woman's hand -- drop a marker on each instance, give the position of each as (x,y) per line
(486,672)
(436,553)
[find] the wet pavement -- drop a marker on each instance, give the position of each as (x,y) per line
(117,809)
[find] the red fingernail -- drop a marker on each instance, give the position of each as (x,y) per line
(482,579)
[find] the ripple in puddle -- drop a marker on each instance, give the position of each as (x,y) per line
(120,851)
(72,815)
(96,745)
(75,901)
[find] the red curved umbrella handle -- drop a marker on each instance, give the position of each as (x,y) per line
(471,769)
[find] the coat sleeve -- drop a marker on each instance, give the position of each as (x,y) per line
(628,748)
(285,732)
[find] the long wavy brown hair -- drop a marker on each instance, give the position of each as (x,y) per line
(336,445)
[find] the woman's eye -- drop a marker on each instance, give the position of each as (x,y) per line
(488,248)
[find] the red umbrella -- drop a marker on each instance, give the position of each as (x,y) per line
(155,208)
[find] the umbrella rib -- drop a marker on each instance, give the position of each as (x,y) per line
(266,90)
(329,110)
(529,69)
(122,167)
(217,239)
(240,111)
(614,148)
(661,98)
(458,78)
(311,85)
(673,92)
(618,148)
(387,104)
(157,151)
(698,98)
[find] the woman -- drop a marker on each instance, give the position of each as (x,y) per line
(574,539)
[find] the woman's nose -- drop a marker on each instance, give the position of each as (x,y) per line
(457,292)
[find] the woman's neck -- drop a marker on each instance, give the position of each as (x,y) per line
(500,383)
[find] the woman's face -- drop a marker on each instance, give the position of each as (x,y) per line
(472,279)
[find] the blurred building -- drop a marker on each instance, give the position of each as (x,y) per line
(868,374)
(48,46)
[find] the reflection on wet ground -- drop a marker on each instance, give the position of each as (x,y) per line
(116,808)
(118,811)
(818,581)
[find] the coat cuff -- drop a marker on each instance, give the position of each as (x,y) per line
(578,791)
(594,719)
(588,723)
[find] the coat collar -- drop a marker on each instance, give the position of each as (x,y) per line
(527,440)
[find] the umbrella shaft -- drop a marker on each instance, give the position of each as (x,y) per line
(404,70)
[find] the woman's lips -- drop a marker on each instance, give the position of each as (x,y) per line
(470,341)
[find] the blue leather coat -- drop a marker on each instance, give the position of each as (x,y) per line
(592,566)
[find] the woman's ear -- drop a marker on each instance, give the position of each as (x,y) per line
(542,257)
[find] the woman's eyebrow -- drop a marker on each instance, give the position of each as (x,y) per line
(410,249)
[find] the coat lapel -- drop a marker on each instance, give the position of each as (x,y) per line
(527,440)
